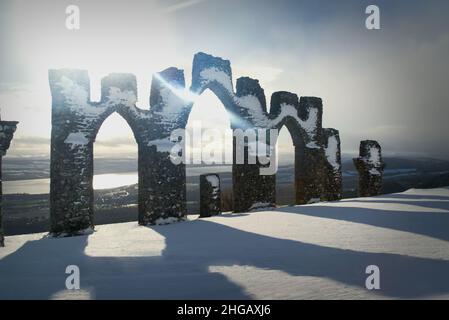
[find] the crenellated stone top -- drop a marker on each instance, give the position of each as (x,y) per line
(170,104)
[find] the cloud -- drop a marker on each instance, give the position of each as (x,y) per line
(27,140)
(29,146)
(388,85)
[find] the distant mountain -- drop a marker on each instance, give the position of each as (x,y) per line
(419,164)
(401,174)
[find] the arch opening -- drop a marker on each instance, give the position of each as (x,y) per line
(115,164)
(208,149)
(285,176)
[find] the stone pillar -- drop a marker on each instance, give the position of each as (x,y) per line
(162,187)
(251,189)
(162,181)
(210,195)
(333,187)
(310,163)
(7,129)
(309,174)
(2,236)
(370,166)
(71,165)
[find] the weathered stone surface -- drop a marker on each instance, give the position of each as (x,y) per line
(333,174)
(7,129)
(76,121)
(303,118)
(317,168)
(370,166)
(210,195)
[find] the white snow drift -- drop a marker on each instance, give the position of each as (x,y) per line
(300,252)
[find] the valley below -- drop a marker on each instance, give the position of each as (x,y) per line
(26,200)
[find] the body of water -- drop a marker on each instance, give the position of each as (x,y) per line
(101,181)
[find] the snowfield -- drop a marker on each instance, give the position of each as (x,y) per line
(317,251)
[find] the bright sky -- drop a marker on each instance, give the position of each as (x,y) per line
(389,85)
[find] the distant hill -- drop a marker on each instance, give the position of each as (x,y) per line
(401,174)
(420,164)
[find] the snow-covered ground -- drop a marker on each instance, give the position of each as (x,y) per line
(304,252)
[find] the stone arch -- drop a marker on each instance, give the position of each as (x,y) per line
(303,119)
(216,94)
(299,145)
(75,124)
(246,106)
(296,132)
(75,121)
(130,121)
(214,73)
(199,96)
(308,162)
(221,86)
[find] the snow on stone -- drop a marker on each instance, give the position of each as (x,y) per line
(76,139)
(317,251)
(74,94)
(77,97)
(331,152)
(162,145)
(117,96)
(309,125)
(374,155)
(213,181)
(164,221)
(252,104)
(260,205)
(314,200)
(254,108)
(214,74)
(173,104)
(312,145)
(248,102)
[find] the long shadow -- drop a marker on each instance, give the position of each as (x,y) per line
(440,205)
(409,196)
(426,222)
(37,271)
(182,271)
